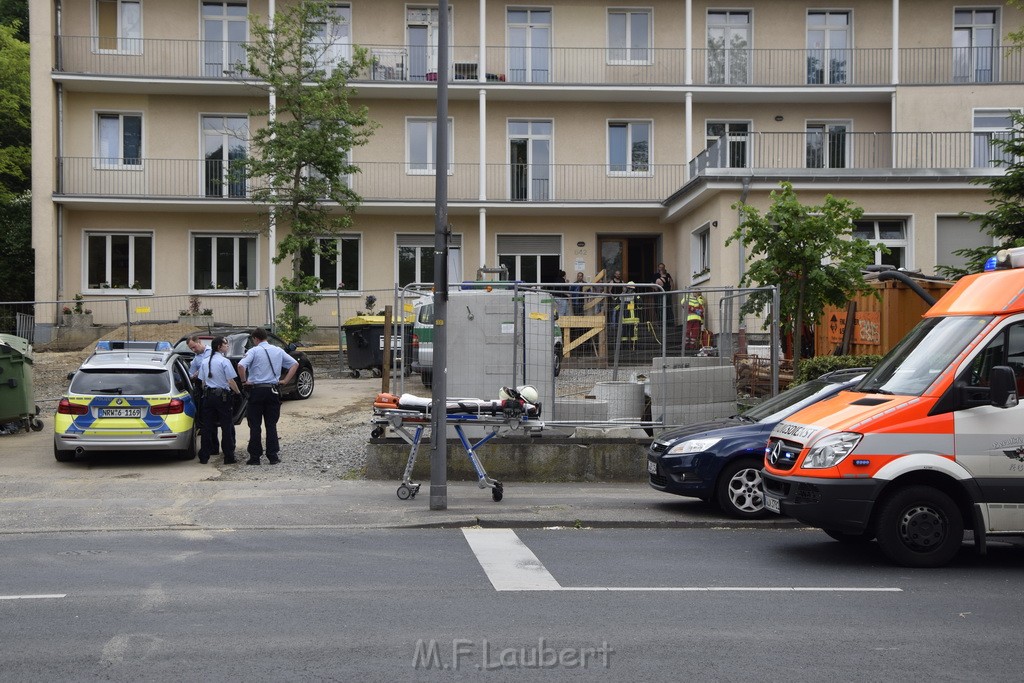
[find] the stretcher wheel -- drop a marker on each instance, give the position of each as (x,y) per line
(404,492)
(37,424)
(377,433)
(497,492)
(354,374)
(376,372)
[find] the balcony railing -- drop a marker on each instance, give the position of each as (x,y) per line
(581,66)
(850,153)
(378,181)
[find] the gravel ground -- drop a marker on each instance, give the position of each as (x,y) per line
(323,438)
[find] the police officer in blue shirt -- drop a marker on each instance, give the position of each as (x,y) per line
(219,389)
(260,370)
(201,353)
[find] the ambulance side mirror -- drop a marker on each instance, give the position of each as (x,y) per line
(1003,387)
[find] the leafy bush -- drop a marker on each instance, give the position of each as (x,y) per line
(809,368)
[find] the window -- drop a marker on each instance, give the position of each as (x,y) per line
(1006,349)
(225,148)
(891,233)
(223,261)
(991,125)
(529,40)
(420,142)
(728,48)
(629,147)
(119,139)
(975,57)
(700,254)
(529,156)
(530,258)
(727,144)
(336,263)
(118,26)
(225,29)
(827,145)
(421,26)
(416,259)
(953,233)
(828,47)
(119,260)
(332,43)
(629,36)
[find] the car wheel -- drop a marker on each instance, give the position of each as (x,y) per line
(63,456)
(740,490)
(920,526)
(189,451)
(427,377)
(849,538)
(304,383)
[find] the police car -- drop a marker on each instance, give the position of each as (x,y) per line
(127,396)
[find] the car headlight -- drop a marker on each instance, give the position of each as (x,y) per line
(692,446)
(831,450)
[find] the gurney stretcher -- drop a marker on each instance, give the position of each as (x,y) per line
(407,411)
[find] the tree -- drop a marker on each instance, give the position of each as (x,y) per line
(15,13)
(1004,222)
(300,159)
(15,115)
(808,252)
(17,264)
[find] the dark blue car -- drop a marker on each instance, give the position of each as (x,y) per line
(721,460)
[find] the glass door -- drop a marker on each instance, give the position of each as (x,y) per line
(332,43)
(225,25)
(828,47)
(224,148)
(728,56)
(529,41)
(974,46)
(529,154)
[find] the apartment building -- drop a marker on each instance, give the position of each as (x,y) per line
(583,135)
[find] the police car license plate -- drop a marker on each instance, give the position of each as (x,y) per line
(652,467)
(772,505)
(120,412)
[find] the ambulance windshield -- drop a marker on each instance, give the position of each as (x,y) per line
(924,354)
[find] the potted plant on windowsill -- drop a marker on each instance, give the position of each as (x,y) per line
(77,315)
(195,315)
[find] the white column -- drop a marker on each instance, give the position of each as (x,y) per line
(688,34)
(895,42)
(483,176)
(688,123)
(481,62)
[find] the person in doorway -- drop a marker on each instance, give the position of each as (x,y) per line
(260,370)
(576,293)
(615,297)
(663,279)
(219,390)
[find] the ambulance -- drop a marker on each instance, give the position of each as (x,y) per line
(930,443)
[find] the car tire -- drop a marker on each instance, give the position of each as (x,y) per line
(850,538)
(740,490)
(189,452)
(63,456)
(920,526)
(427,377)
(304,383)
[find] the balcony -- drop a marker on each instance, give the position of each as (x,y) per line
(849,154)
(378,182)
(578,66)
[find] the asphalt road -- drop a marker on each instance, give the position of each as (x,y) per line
(528,604)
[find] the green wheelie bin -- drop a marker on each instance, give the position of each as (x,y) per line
(16,399)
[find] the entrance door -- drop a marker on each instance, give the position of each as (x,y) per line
(636,257)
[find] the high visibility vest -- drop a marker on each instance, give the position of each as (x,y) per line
(694,307)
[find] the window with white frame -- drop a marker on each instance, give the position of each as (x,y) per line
(421,145)
(119,139)
(415,258)
(991,126)
(225,30)
(728,52)
(975,45)
(335,262)
(727,144)
(118,26)
(890,232)
(629,147)
(223,261)
(530,258)
(828,46)
(629,36)
(828,144)
(332,41)
(700,254)
(529,44)
(119,260)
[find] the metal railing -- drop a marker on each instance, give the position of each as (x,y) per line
(377,181)
(885,152)
(594,66)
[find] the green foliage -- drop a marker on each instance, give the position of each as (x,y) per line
(1005,220)
(290,324)
(1016,37)
(15,13)
(17,262)
(807,251)
(15,115)
(809,368)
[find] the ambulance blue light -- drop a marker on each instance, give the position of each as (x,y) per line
(990,264)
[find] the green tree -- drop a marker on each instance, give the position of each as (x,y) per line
(17,265)
(15,13)
(300,159)
(15,115)
(1004,222)
(808,252)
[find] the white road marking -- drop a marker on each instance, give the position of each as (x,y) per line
(33,597)
(511,566)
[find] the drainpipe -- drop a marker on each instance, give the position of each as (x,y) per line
(60,152)
(741,328)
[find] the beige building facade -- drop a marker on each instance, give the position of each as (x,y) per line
(585,136)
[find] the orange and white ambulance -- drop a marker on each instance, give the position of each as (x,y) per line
(930,443)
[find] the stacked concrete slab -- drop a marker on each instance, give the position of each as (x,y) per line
(684,395)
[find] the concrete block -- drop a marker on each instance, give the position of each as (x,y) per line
(678,415)
(677,362)
(687,386)
(580,410)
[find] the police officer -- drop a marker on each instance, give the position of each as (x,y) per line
(219,389)
(201,353)
(260,370)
